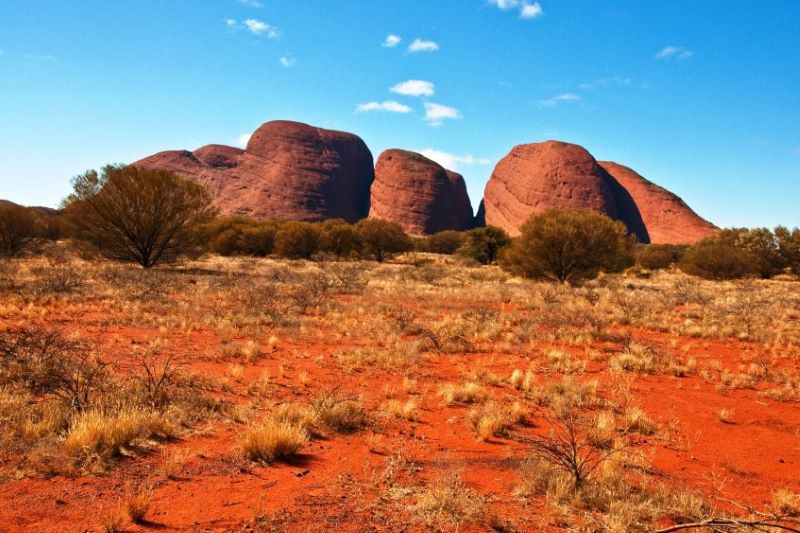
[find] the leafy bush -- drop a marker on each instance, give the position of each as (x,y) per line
(340,238)
(298,240)
(134,214)
(789,247)
(763,247)
(717,259)
(659,256)
(484,244)
(17,229)
(240,236)
(444,242)
(569,245)
(382,239)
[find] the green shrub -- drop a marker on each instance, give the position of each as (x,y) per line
(717,259)
(444,242)
(789,247)
(382,239)
(298,240)
(240,236)
(569,245)
(484,244)
(659,256)
(340,238)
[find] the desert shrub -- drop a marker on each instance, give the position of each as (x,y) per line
(448,504)
(484,244)
(789,247)
(106,434)
(717,259)
(569,245)
(763,247)
(382,239)
(17,229)
(340,238)
(340,414)
(273,440)
(134,214)
(659,256)
(444,242)
(240,236)
(297,240)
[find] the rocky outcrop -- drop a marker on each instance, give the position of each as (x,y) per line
(419,194)
(667,218)
(289,171)
(533,178)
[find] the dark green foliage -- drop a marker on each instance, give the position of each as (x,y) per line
(659,256)
(569,245)
(382,239)
(340,238)
(444,242)
(135,214)
(789,247)
(717,259)
(298,240)
(484,244)
(240,236)
(17,229)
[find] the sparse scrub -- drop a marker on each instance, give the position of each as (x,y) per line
(466,393)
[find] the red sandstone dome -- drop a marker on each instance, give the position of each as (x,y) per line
(419,194)
(535,177)
(289,171)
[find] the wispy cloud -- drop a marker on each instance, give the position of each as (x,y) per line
(453,161)
(251,3)
(558,99)
(391,41)
(414,88)
(389,106)
(39,57)
(420,45)
(254,26)
(611,81)
(435,114)
(287,62)
(242,140)
(677,53)
(527,10)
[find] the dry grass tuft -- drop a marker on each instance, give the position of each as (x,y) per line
(137,503)
(272,440)
(466,393)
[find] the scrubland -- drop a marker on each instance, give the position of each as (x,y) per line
(244,394)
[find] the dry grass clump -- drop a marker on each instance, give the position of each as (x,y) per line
(492,420)
(401,355)
(636,421)
(448,504)
(786,503)
(565,363)
(111,434)
(112,518)
(137,503)
(726,416)
(523,381)
(569,391)
(340,414)
(272,441)
(465,393)
(404,410)
(637,358)
(173,464)
(302,416)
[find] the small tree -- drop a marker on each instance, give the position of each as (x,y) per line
(789,247)
(717,259)
(569,245)
(17,228)
(659,256)
(444,242)
(340,238)
(134,214)
(240,236)
(763,246)
(382,239)
(484,244)
(297,240)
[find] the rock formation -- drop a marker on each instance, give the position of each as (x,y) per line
(289,171)
(535,177)
(419,194)
(667,218)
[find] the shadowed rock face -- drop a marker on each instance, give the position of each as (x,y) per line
(289,171)
(667,218)
(419,194)
(533,178)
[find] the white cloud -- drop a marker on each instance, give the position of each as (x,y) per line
(527,10)
(436,113)
(251,3)
(561,98)
(242,140)
(612,81)
(231,23)
(531,11)
(259,27)
(414,88)
(452,161)
(389,106)
(391,41)
(678,53)
(420,45)
(40,57)
(287,62)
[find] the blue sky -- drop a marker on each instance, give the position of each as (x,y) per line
(700,97)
